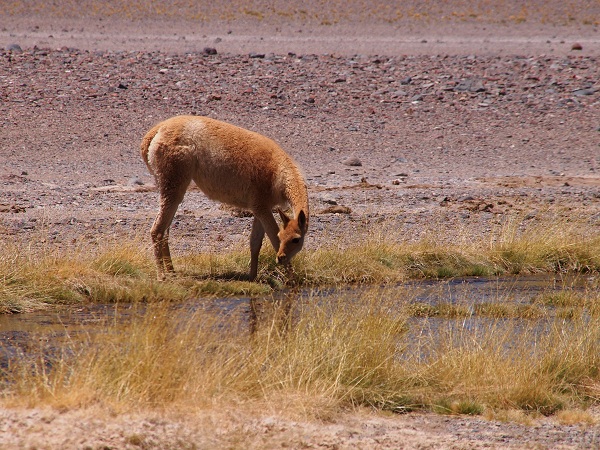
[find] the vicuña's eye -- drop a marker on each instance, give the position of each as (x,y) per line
(296,240)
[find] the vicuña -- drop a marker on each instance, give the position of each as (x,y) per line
(234,166)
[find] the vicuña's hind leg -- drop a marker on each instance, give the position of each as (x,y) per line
(256,239)
(169,202)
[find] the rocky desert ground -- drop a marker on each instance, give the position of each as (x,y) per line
(440,117)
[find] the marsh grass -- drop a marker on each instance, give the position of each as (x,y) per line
(549,245)
(119,271)
(316,356)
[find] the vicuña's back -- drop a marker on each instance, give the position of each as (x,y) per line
(234,166)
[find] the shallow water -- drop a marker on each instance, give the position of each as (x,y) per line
(24,333)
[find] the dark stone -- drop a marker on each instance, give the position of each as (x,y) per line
(470,86)
(15,48)
(587,91)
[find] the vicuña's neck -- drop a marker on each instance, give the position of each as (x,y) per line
(297,193)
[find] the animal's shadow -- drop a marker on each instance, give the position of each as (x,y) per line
(225,276)
(276,279)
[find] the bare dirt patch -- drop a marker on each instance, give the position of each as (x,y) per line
(94,429)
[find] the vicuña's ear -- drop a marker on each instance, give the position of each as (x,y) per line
(284,218)
(302,220)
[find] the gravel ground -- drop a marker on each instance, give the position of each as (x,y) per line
(419,142)
(418,126)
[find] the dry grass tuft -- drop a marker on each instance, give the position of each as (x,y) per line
(575,417)
(550,245)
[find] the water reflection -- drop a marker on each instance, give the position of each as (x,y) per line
(24,333)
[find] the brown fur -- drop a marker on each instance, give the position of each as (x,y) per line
(234,166)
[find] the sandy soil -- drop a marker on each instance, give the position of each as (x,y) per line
(93,429)
(441,123)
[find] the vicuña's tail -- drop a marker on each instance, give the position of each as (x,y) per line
(146,140)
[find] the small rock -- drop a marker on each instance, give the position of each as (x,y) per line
(470,86)
(336,209)
(329,199)
(399,93)
(15,48)
(255,55)
(352,161)
(587,91)
(445,201)
(209,51)
(406,81)
(485,207)
(213,98)
(576,46)
(134,181)
(531,215)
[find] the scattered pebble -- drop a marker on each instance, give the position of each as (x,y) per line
(336,209)
(326,197)
(14,48)
(352,161)
(586,91)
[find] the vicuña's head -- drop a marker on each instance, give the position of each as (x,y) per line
(291,236)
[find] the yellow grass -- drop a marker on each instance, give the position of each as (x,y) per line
(124,271)
(316,356)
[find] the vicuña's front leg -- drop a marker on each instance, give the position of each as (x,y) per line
(264,222)
(270,226)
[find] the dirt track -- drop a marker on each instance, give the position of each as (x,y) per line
(455,124)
